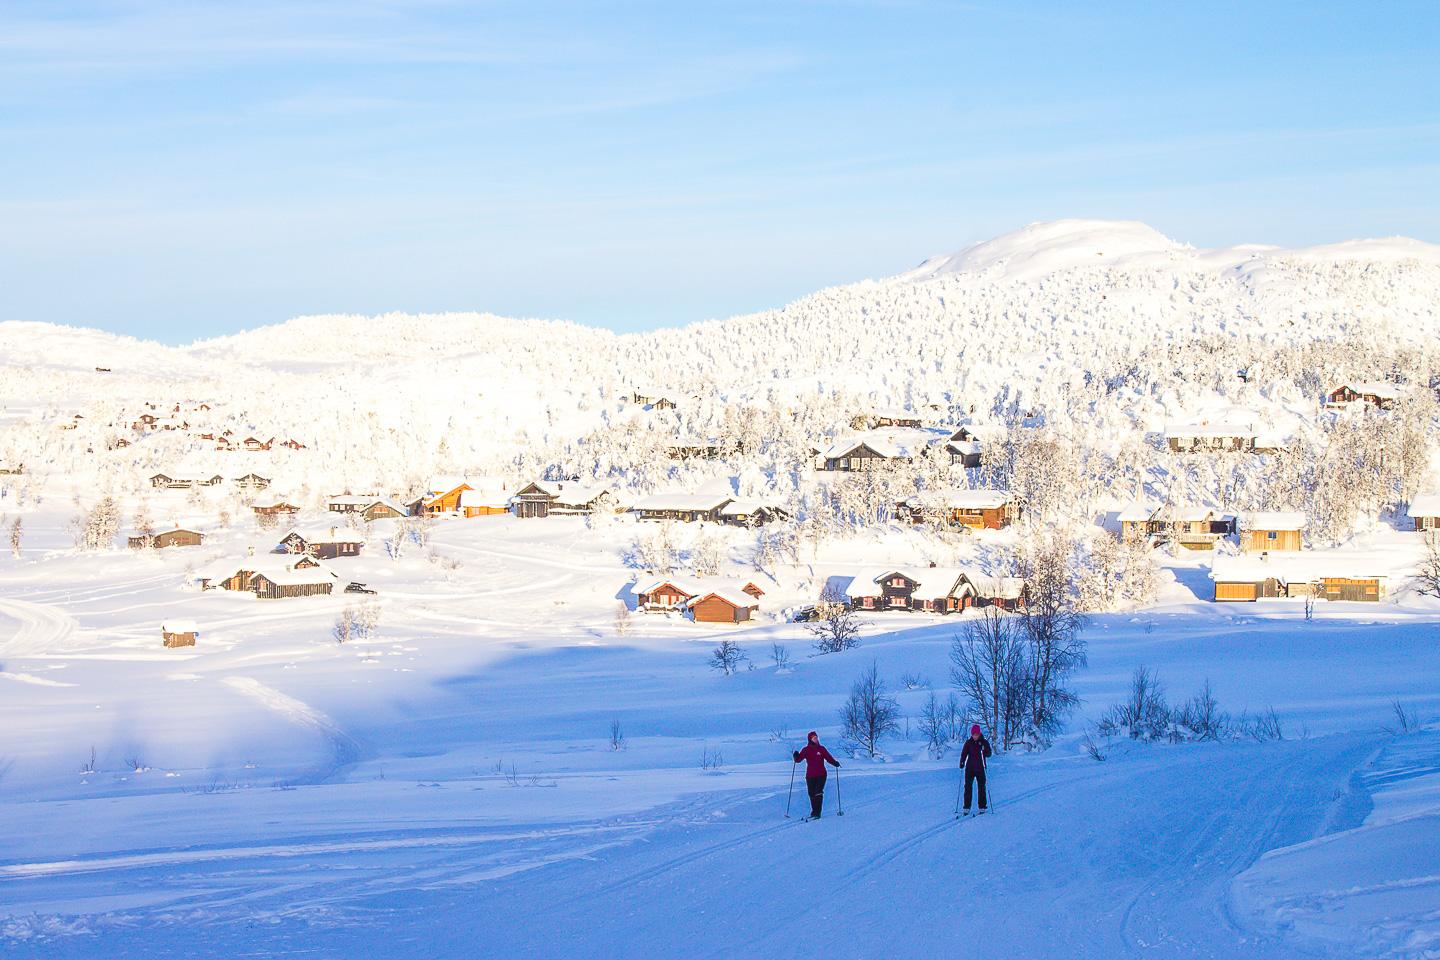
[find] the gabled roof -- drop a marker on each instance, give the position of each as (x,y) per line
(696,502)
(745,506)
(566,493)
(1378,388)
(1183,513)
(1137,511)
(484,498)
(1275,520)
(1296,567)
(178,626)
(958,499)
(893,443)
(326,535)
(1425,505)
(736,598)
(700,586)
(930,582)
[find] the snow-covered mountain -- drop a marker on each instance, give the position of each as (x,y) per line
(1108,321)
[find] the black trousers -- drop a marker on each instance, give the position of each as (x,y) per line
(971,778)
(815,786)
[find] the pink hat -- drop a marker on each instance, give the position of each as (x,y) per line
(975,730)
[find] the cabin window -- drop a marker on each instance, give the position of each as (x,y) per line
(1272,535)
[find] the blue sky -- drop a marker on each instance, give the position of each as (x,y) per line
(187,169)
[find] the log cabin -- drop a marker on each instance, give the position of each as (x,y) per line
(486,502)
(878,448)
(976,509)
(11,469)
(1371,393)
(280,508)
(560,498)
(1326,575)
(752,511)
(165,481)
(933,590)
(178,633)
(331,544)
(252,481)
(963,448)
(1191,527)
(873,419)
(684,507)
(672,593)
(722,606)
(1272,530)
(284,576)
(255,444)
(1425,512)
(174,537)
(439,500)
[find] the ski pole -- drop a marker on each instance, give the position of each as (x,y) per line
(792,790)
(989,794)
(839,805)
(959,785)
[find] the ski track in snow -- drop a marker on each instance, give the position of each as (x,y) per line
(43,629)
(343,748)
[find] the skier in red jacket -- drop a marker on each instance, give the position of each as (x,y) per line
(815,757)
(972,759)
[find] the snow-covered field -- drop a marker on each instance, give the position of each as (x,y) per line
(449,786)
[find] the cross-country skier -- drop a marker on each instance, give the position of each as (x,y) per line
(972,757)
(815,757)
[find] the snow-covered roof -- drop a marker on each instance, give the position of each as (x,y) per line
(1275,520)
(1379,388)
(1425,505)
(1137,511)
(960,499)
(568,493)
(700,586)
(893,443)
(1183,513)
(744,506)
(736,598)
(279,569)
(484,498)
(178,626)
(1001,588)
(930,581)
(698,502)
(1298,567)
(326,535)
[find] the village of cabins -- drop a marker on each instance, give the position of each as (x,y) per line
(1271,561)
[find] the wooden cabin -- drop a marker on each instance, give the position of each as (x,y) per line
(484,503)
(668,594)
(382,509)
(850,458)
(963,448)
(1425,512)
(8,469)
(176,537)
(178,633)
(333,544)
(255,444)
(252,481)
(1269,531)
(1377,394)
(751,511)
(280,585)
(976,509)
(684,507)
(279,508)
(546,497)
(1191,527)
(293,444)
(165,481)
(662,596)
(933,590)
(438,501)
(722,606)
(1327,575)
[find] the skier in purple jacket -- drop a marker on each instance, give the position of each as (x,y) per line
(972,758)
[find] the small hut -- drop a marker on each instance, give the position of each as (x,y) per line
(178,633)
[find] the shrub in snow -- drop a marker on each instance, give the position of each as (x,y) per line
(870,713)
(836,627)
(727,657)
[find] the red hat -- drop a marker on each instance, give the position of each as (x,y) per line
(975,729)
(812,735)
